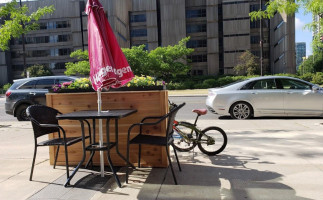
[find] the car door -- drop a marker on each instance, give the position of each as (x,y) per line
(24,92)
(300,99)
(265,97)
(41,89)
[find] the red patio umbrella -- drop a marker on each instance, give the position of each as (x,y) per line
(109,66)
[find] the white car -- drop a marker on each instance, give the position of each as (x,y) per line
(267,96)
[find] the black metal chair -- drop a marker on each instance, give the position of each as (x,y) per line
(44,122)
(155,140)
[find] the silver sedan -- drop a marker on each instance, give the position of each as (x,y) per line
(267,96)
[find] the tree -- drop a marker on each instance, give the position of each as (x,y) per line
(82,66)
(290,7)
(312,64)
(38,70)
(167,62)
(18,21)
(162,62)
(138,59)
(247,64)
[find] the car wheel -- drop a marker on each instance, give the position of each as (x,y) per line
(21,113)
(241,110)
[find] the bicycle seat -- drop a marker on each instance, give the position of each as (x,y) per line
(200,111)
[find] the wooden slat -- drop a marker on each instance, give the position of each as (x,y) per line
(148,103)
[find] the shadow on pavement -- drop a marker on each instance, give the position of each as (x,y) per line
(226,178)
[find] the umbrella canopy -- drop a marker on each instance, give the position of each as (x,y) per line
(109,66)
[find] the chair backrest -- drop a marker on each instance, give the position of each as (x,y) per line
(171,117)
(40,114)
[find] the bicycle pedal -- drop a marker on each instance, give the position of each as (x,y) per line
(189,135)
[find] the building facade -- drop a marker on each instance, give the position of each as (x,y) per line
(220,31)
(300,53)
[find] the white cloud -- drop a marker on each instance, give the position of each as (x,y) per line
(299,24)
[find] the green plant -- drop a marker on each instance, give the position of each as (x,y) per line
(318,78)
(38,70)
(80,83)
(7,86)
(141,81)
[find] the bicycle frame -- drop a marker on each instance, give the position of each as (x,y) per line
(193,128)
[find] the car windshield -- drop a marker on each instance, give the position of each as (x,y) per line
(238,81)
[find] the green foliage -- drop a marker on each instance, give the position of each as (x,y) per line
(19,21)
(290,7)
(318,78)
(307,77)
(312,64)
(166,62)
(38,70)
(82,66)
(80,83)
(138,59)
(248,64)
(162,62)
(210,82)
(6,86)
(142,81)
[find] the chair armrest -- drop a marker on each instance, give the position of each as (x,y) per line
(49,125)
(151,117)
(146,124)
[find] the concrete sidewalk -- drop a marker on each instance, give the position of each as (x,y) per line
(264,159)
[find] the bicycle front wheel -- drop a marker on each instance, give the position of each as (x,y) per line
(212,141)
(184,137)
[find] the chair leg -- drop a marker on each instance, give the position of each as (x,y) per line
(33,163)
(171,166)
(66,163)
(56,156)
(179,166)
(139,155)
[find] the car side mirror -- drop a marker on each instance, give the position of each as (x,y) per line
(315,88)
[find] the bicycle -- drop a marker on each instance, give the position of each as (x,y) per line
(211,140)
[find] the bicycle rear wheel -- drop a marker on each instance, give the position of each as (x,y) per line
(184,137)
(212,141)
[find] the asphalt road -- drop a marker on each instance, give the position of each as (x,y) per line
(192,102)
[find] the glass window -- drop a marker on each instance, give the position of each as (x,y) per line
(195,13)
(198,58)
(138,33)
(267,84)
(294,85)
(255,39)
(45,84)
(62,81)
(138,18)
(28,85)
(196,43)
(195,28)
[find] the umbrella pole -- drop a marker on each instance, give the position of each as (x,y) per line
(100,133)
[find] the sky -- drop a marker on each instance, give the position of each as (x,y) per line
(301,35)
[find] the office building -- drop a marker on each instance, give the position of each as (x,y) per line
(220,31)
(300,53)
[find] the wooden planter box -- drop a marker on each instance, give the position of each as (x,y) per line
(148,103)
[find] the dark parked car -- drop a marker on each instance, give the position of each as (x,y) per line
(29,91)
